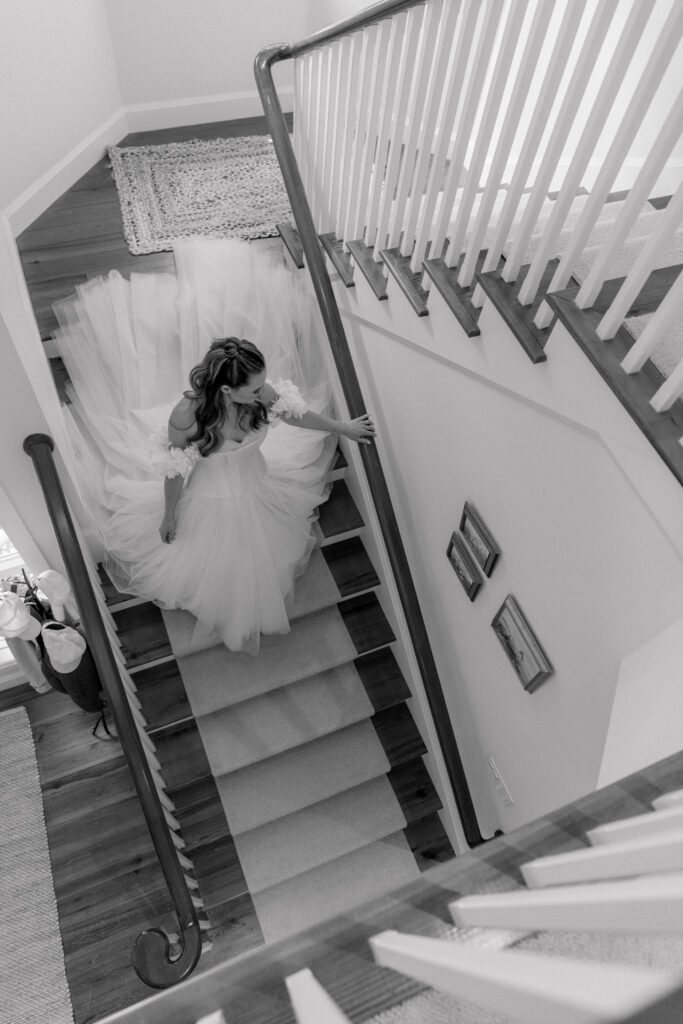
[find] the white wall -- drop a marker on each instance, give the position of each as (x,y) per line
(326,12)
(59,84)
(595,561)
(175,54)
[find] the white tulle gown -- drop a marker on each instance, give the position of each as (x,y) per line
(245,516)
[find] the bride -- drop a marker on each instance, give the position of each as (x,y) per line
(205,503)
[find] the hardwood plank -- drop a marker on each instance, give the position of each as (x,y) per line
(350,565)
(200,813)
(520,319)
(292,242)
(340,259)
(409,281)
(382,678)
(142,633)
(428,840)
(234,930)
(339,514)
(112,596)
(372,271)
(634,390)
(398,734)
(162,694)
(414,789)
(218,871)
(181,753)
(659,202)
(649,297)
(366,622)
(457,298)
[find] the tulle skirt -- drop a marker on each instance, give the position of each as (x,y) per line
(245,516)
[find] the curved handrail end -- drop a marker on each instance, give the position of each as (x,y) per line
(152,957)
(32,440)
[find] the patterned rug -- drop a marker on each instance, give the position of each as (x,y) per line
(33,985)
(223,188)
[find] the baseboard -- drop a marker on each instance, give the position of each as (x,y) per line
(199,110)
(50,186)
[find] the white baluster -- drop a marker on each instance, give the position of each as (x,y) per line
(595,124)
(501,72)
(632,208)
(566,115)
(539,119)
(640,856)
(315,195)
(310,1001)
(385,124)
(408,70)
(527,987)
(670,307)
(328,109)
(650,823)
(640,102)
(372,163)
(352,226)
(337,115)
(508,128)
(351,58)
(670,219)
(672,799)
(428,40)
(437,73)
(463,43)
(298,108)
(304,124)
(213,1018)
(650,904)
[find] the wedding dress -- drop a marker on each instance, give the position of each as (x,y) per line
(245,516)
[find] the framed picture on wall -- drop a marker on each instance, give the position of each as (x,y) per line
(479,538)
(521,645)
(464,566)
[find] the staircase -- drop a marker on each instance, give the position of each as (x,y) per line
(296,776)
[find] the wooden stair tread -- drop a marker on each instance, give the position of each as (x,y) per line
(634,390)
(382,678)
(339,514)
(520,319)
(457,298)
(371,269)
(290,237)
(414,789)
(366,623)
(398,734)
(234,929)
(162,695)
(350,565)
(218,871)
(428,840)
(408,280)
(648,299)
(142,634)
(181,753)
(339,258)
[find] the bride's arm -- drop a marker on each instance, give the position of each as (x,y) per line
(179,433)
(286,401)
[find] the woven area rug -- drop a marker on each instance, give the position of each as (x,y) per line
(223,188)
(33,985)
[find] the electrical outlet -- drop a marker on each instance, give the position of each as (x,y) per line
(499,783)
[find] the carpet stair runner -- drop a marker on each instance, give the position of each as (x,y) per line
(307,751)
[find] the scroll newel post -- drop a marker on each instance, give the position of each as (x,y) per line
(151,952)
(352,392)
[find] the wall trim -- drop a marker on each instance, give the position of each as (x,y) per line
(199,110)
(34,200)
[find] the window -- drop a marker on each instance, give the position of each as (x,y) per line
(11,563)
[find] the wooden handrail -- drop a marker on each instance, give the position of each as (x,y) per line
(151,958)
(354,399)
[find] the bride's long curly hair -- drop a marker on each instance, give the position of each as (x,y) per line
(231,362)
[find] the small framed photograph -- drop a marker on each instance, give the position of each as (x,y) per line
(464,566)
(519,642)
(477,535)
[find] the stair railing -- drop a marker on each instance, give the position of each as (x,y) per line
(436,129)
(352,391)
(151,951)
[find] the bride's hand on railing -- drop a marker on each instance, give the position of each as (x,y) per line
(362,429)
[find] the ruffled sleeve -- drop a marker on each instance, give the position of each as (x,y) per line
(289,401)
(167,460)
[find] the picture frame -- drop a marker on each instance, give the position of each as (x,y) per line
(464,566)
(521,645)
(479,538)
